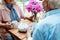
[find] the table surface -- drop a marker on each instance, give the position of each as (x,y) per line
(17,34)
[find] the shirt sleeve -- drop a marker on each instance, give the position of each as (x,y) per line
(0,15)
(37,35)
(41,32)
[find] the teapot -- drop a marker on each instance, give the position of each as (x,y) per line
(23,27)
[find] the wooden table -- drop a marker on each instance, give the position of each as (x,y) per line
(19,36)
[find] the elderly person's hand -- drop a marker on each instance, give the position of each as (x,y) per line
(6,25)
(9,25)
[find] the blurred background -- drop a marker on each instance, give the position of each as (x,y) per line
(22,4)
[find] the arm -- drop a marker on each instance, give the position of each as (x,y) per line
(42,31)
(4,25)
(37,35)
(1,19)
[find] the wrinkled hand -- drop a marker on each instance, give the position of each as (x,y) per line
(9,26)
(6,25)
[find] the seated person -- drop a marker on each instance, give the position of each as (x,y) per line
(49,28)
(9,12)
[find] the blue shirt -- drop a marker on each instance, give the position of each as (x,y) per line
(49,28)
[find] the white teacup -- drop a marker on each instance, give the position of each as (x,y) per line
(15,24)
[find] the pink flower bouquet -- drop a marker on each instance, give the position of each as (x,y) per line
(34,7)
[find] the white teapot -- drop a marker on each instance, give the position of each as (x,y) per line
(23,27)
